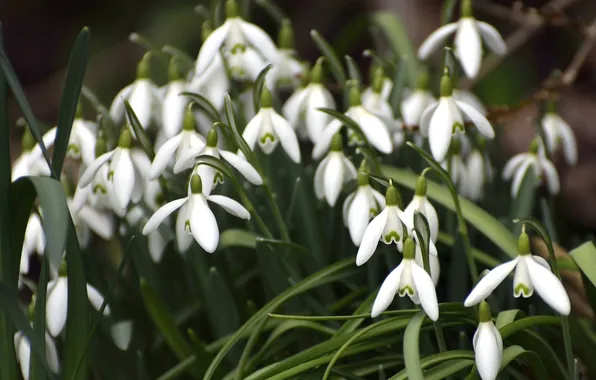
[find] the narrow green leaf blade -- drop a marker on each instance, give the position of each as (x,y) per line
(204,104)
(411,347)
(327,50)
(258,87)
(139,131)
(73,84)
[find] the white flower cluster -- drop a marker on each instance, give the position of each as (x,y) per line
(120,185)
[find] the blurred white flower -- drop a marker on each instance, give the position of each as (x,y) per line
(373,127)
(421,204)
(559,135)
(360,207)
(387,227)
(212,83)
(480,173)
(88,218)
(488,345)
(286,70)
(174,105)
(531,273)
(195,217)
(210,176)
(333,172)
(440,120)
(57,302)
(470,99)
(411,279)
(23,350)
(31,161)
(122,333)
(469,34)
(374,101)
(143,96)
(301,108)
(268,129)
(534,163)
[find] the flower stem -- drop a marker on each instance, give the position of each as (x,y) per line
(276,212)
(440,336)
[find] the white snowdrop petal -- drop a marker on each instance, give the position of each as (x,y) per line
(569,143)
(100,222)
(163,156)
(526,168)
(324,138)
(251,131)
(142,101)
(287,136)
(426,117)
(435,40)
(121,334)
(259,39)
(92,170)
(117,108)
(52,354)
(486,352)
(440,130)
(96,300)
(468,46)
(123,177)
(210,47)
(24,356)
(346,207)
(548,286)
(294,105)
(203,224)
(512,165)
(230,205)
(87,141)
(157,243)
(183,238)
(161,214)
(425,289)
(371,237)
(243,166)
(489,282)
(358,215)
(481,123)
(551,176)
(492,37)
(387,291)
(173,108)
(319,178)
(333,179)
(56,306)
(376,132)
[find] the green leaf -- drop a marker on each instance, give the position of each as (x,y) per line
(508,316)
(183,57)
(322,277)
(492,228)
(398,40)
(523,204)
(258,87)
(52,201)
(9,304)
(164,321)
(399,83)
(423,234)
(19,94)
(334,63)
(202,357)
(353,70)
(411,347)
(433,360)
(585,258)
(526,323)
(447,11)
(69,101)
(229,108)
(139,131)
(515,352)
(237,238)
(77,316)
(8,265)
(444,370)
(272,9)
(204,104)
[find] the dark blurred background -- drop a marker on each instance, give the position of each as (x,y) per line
(38,35)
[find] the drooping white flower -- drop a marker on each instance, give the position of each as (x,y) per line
(143,96)
(421,204)
(35,240)
(387,227)
(470,99)
(173,107)
(534,163)
(440,120)
(286,70)
(122,334)
(531,273)
(333,172)
(411,279)
(360,207)
(374,101)
(127,169)
(480,173)
(455,165)
(23,349)
(301,108)
(31,161)
(373,127)
(469,34)
(185,142)
(88,218)
(414,105)
(57,301)
(195,217)
(209,175)
(559,135)
(246,47)
(268,129)
(488,345)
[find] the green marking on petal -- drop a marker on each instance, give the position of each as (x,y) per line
(407,290)
(218,178)
(73,149)
(522,289)
(267,136)
(100,189)
(110,175)
(187,226)
(391,236)
(373,211)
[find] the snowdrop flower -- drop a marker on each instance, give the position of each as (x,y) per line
(416,101)
(420,203)
(195,217)
(531,273)
(178,146)
(35,240)
(88,218)
(374,128)
(122,334)
(301,108)
(268,128)
(286,70)
(469,34)
(559,135)
(535,163)
(488,345)
(174,105)
(142,94)
(470,99)
(209,175)
(23,349)
(31,161)
(411,279)
(126,171)
(212,82)
(387,227)
(360,207)
(480,173)
(456,167)
(333,172)
(374,101)
(246,46)
(433,258)
(57,301)
(440,120)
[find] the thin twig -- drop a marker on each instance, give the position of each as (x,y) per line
(580,56)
